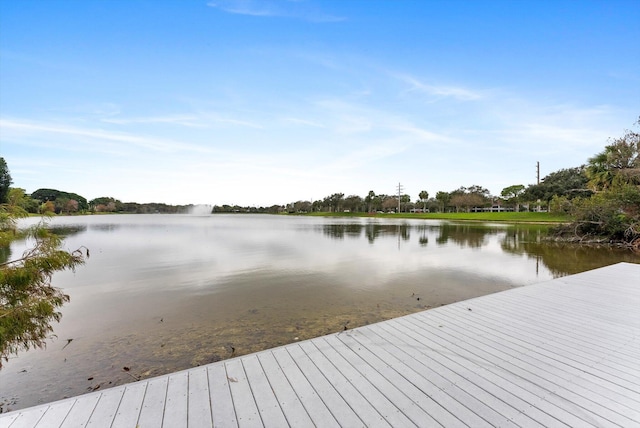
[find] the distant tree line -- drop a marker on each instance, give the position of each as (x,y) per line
(553,193)
(44,201)
(550,194)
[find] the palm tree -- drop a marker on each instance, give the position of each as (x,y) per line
(424,195)
(619,161)
(598,172)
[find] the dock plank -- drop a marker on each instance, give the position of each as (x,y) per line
(82,410)
(447,411)
(176,405)
(106,408)
(199,408)
(7,420)
(338,407)
(222,407)
(130,405)
(29,419)
(153,402)
(55,414)
(270,412)
(368,413)
(245,404)
(313,405)
(290,403)
(562,353)
(404,399)
(389,410)
(463,388)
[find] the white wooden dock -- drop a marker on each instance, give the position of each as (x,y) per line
(560,353)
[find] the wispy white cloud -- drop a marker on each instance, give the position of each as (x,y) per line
(524,124)
(94,137)
(199,120)
(422,134)
(241,7)
(235,122)
(325,60)
(360,157)
(353,117)
(273,8)
(440,91)
(297,121)
(191,121)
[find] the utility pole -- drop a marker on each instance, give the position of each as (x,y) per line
(538,177)
(399,194)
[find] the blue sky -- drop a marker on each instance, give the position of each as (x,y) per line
(269,102)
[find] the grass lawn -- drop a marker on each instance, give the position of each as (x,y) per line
(510,217)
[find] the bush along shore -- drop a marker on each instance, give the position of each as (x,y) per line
(610,217)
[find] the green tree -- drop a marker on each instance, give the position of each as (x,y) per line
(105,203)
(512,194)
(353,203)
(369,199)
(47,208)
(424,195)
(44,195)
(301,206)
(18,197)
(443,199)
(389,203)
(570,182)
(466,201)
(405,203)
(467,198)
(28,301)
(334,202)
(618,163)
(5,181)
(612,214)
(480,191)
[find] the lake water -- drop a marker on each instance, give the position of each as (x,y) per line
(162,293)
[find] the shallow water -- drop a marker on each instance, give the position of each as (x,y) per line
(162,293)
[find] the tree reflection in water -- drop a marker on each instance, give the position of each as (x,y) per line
(525,239)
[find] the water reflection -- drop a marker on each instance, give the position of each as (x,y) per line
(465,235)
(524,240)
(67,230)
(371,230)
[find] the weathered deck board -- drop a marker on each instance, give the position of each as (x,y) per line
(561,353)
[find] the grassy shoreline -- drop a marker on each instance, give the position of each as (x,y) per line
(506,217)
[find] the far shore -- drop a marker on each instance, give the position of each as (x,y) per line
(503,217)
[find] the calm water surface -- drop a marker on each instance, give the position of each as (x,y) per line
(162,293)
